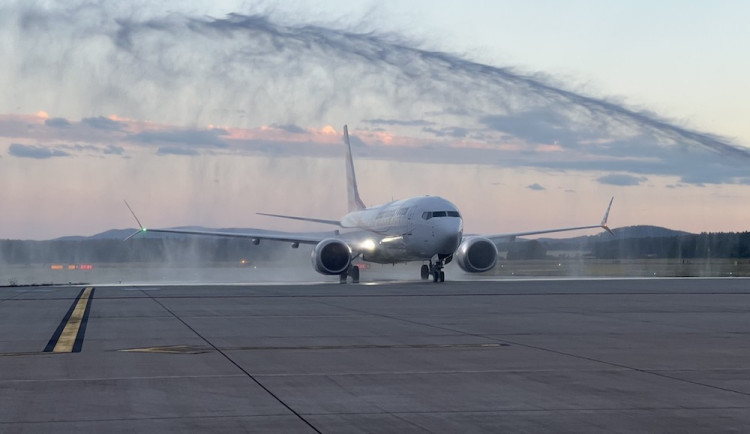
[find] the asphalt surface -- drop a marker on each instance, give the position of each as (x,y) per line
(661,355)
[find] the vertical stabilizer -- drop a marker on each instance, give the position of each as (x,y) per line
(355,203)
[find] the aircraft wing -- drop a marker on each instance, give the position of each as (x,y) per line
(254,235)
(305,219)
(512,235)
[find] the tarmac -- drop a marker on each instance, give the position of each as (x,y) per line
(563,356)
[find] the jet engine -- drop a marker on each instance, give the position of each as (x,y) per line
(331,256)
(476,255)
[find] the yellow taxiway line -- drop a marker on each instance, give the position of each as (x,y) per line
(70,332)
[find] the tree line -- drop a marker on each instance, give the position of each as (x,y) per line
(684,246)
(170,250)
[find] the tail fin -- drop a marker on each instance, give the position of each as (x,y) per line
(355,203)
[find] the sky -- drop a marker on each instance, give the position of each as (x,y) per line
(527,115)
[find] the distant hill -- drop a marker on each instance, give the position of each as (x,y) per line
(644,232)
(111,234)
(641,231)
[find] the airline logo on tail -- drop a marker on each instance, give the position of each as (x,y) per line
(355,203)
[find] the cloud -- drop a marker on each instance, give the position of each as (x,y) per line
(114,150)
(455,132)
(535,126)
(35,152)
(356,141)
(535,187)
(103,123)
(289,128)
(621,180)
(91,149)
(391,122)
(175,150)
(57,123)
(201,138)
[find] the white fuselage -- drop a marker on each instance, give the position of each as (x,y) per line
(418,228)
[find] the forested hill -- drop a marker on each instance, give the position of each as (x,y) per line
(639,242)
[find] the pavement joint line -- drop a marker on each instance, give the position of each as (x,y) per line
(534,410)
(237,365)
(68,338)
(135,378)
(435,294)
(191,349)
(23,353)
(658,410)
(123,419)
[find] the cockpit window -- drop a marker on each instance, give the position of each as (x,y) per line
(430,214)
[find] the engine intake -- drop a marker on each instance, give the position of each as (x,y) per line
(331,256)
(476,255)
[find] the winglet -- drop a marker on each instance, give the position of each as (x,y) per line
(606,216)
(141,228)
(355,203)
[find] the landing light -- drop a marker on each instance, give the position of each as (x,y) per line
(368,244)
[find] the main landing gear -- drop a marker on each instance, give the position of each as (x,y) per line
(352,272)
(435,269)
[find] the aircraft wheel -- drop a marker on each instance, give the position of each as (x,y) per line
(425,272)
(442,276)
(354,273)
(436,276)
(342,277)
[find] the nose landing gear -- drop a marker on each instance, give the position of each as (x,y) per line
(435,269)
(438,276)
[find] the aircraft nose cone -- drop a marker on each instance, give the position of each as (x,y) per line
(449,239)
(450,244)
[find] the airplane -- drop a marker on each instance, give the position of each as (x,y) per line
(427,229)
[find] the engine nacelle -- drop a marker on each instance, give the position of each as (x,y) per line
(331,256)
(476,255)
